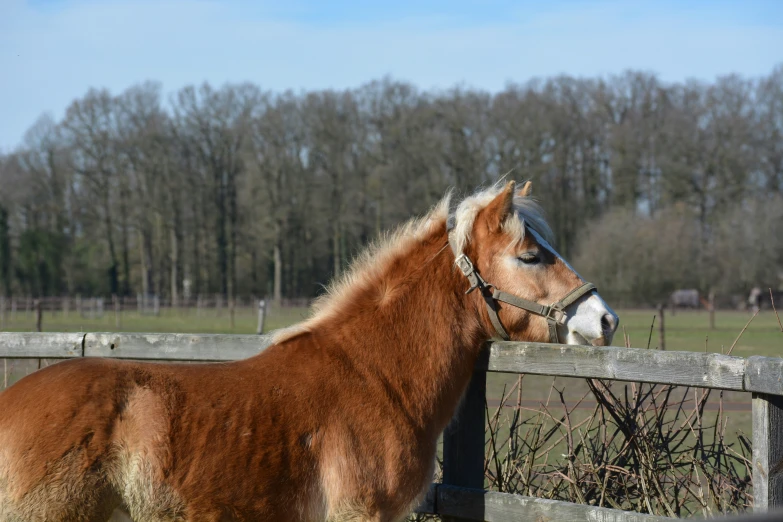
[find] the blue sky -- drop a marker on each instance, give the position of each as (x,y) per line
(52,51)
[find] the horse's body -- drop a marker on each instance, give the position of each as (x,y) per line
(249,440)
(338,420)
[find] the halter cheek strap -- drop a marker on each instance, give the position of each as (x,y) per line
(554,314)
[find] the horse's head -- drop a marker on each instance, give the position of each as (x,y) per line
(502,246)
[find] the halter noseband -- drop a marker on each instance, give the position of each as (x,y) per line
(554,313)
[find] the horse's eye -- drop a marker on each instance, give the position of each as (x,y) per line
(529,258)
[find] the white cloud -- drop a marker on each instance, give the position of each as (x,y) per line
(49,55)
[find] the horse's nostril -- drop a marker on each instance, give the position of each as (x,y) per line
(608,323)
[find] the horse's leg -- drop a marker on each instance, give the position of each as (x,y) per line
(55,444)
(72,495)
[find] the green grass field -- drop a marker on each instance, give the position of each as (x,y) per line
(690,331)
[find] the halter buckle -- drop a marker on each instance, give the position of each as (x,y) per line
(468,270)
(465,265)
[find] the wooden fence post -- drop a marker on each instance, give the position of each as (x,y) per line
(38,316)
(767,452)
(116,302)
(463,439)
(661,329)
(261,316)
(711,299)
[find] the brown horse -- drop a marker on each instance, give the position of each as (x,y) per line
(338,420)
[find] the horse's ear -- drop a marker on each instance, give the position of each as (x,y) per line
(527,188)
(501,207)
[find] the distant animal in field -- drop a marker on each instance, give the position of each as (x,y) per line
(754,298)
(338,420)
(764,299)
(687,298)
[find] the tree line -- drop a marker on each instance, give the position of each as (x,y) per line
(648,186)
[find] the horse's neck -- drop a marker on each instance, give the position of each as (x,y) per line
(423,338)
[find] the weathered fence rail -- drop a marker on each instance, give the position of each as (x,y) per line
(461,496)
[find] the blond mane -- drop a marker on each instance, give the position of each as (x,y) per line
(525,207)
(373,261)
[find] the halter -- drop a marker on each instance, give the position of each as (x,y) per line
(554,313)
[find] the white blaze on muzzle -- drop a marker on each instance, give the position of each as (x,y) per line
(584,317)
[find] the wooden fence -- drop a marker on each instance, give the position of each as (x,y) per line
(461,495)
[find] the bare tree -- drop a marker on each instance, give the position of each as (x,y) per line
(239,191)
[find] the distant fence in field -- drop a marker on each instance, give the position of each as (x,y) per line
(148,305)
(461,495)
(25,309)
